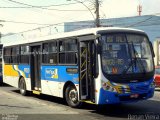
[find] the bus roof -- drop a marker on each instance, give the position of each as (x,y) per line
(87,31)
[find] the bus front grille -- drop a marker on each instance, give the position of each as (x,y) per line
(134,89)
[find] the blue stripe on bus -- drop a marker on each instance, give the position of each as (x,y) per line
(25,69)
(59,73)
(51,73)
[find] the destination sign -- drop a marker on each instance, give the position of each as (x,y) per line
(123,39)
(114,61)
(72,70)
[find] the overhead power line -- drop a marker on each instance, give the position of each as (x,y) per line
(140,22)
(33,29)
(41,7)
(143,21)
(21,3)
(64,4)
(48,25)
(10,21)
(59,24)
(20,22)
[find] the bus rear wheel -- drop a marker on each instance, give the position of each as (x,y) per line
(71,96)
(22,87)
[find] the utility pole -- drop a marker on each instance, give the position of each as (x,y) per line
(139,10)
(96,3)
(97,21)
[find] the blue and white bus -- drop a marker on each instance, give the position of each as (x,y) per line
(99,65)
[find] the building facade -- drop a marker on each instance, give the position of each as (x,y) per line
(148,23)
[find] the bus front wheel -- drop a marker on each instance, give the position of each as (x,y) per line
(22,87)
(71,96)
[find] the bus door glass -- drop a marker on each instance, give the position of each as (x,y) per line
(86,66)
(35,67)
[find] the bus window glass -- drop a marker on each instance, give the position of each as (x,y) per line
(52,47)
(24,56)
(52,53)
(15,54)
(45,53)
(70,45)
(61,46)
(121,52)
(68,52)
(7,55)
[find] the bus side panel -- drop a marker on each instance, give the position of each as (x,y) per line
(98,83)
(12,75)
(53,79)
(50,87)
(24,70)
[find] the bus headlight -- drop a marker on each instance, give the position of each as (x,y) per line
(152,85)
(108,88)
(105,86)
(113,90)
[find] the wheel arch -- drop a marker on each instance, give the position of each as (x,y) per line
(65,86)
(19,80)
(22,86)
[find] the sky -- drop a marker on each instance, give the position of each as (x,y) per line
(22,15)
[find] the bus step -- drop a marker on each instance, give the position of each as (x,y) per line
(36,92)
(88,101)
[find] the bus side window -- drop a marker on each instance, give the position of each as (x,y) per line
(24,54)
(7,55)
(68,51)
(52,53)
(61,46)
(45,53)
(15,54)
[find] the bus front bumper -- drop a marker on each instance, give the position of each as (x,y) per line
(108,97)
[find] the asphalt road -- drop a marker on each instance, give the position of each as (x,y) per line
(13,106)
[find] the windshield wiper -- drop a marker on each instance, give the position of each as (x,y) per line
(138,60)
(134,62)
(141,65)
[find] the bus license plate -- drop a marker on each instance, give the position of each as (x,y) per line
(134,96)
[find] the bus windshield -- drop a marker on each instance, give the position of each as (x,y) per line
(126,54)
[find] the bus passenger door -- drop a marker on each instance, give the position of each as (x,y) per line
(86,65)
(35,63)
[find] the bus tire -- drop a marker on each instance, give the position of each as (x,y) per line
(22,87)
(71,96)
